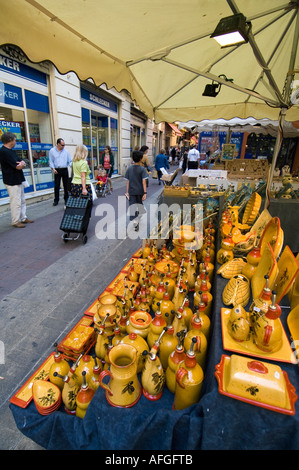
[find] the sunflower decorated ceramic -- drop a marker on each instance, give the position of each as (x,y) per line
(237,291)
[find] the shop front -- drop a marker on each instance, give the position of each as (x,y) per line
(25,111)
(99,126)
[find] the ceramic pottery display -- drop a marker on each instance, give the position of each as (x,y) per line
(123,389)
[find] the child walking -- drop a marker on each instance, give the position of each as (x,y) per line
(136,176)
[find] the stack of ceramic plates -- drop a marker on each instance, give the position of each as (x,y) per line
(46,396)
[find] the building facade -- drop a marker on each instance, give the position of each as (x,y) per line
(40,105)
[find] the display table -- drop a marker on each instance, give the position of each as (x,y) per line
(215,422)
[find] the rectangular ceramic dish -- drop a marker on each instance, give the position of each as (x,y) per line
(257,383)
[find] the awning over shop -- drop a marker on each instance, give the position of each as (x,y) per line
(163,54)
(175,129)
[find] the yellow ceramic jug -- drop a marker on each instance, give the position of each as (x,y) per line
(123,389)
(139,344)
(189,378)
(84,397)
(139,323)
(85,364)
(260,304)
(174,360)
(168,344)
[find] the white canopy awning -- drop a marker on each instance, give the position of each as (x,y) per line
(162,54)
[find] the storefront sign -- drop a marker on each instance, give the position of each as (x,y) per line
(10,126)
(22,70)
(99,100)
(10,94)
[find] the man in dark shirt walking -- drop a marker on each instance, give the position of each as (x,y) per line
(136,176)
(13,177)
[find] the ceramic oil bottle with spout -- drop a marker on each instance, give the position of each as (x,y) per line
(200,345)
(178,324)
(209,266)
(186,312)
(97,369)
(153,376)
(166,305)
(260,304)
(84,397)
(253,258)
(203,295)
(61,366)
(201,319)
(225,253)
(268,329)
(157,325)
(180,293)
(102,341)
(86,364)
(69,392)
(168,344)
(174,360)
(161,290)
(189,378)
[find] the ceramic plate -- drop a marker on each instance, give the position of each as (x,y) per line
(267,265)
(284,354)
(253,394)
(288,268)
(259,226)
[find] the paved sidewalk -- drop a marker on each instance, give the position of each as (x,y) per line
(45,287)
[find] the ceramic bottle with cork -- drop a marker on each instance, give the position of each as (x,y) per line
(174,360)
(189,378)
(84,397)
(61,366)
(153,376)
(86,364)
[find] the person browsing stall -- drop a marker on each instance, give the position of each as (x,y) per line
(161,162)
(13,178)
(193,159)
(136,176)
(59,161)
(81,184)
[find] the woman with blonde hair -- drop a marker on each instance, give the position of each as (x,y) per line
(81,183)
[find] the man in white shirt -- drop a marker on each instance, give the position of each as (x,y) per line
(59,161)
(193,158)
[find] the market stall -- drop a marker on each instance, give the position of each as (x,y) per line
(158,418)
